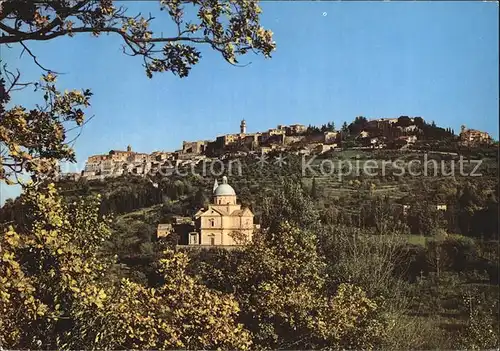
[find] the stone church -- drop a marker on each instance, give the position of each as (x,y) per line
(225,222)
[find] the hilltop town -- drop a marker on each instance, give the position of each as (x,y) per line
(295,226)
(220,220)
(384,133)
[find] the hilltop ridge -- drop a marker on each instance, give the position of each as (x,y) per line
(411,133)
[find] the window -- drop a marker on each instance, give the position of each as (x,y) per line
(212,241)
(193,239)
(212,222)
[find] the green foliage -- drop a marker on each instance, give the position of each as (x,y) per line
(36,139)
(291,204)
(132,243)
(119,195)
(178,314)
(382,215)
(345,129)
(367,260)
(314,189)
(357,125)
(56,290)
(425,219)
(335,272)
(482,329)
(52,273)
(230,29)
(280,281)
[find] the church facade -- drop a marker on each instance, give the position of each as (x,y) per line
(224,222)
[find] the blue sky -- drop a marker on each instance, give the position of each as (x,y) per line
(334,61)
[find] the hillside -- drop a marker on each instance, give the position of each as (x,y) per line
(436,234)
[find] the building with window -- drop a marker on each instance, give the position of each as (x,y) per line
(473,137)
(163,230)
(225,222)
(295,129)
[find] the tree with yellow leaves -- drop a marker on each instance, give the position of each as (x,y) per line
(56,290)
(280,281)
(32,140)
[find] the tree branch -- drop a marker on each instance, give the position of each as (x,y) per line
(25,48)
(40,37)
(10,30)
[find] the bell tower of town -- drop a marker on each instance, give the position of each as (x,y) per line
(243,127)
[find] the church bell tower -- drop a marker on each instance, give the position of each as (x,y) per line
(243,127)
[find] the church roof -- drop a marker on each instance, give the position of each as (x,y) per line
(219,209)
(224,189)
(240,213)
(199,213)
(211,210)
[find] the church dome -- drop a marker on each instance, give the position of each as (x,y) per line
(224,189)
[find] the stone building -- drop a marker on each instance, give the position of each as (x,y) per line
(195,147)
(325,138)
(294,139)
(228,139)
(250,140)
(322,148)
(472,137)
(119,162)
(384,125)
(330,137)
(163,230)
(225,222)
(162,156)
(295,129)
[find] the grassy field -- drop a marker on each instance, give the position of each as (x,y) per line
(417,239)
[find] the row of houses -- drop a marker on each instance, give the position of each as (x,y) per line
(377,134)
(473,137)
(117,163)
(251,140)
(282,135)
(384,128)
